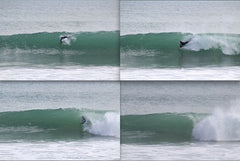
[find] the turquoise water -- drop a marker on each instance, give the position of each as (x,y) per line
(30,40)
(81,49)
(161,50)
(45,118)
(151,32)
(158,128)
(180,120)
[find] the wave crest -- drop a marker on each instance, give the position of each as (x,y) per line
(220,126)
(108,126)
(228,44)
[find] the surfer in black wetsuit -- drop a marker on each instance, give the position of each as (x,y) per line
(63,37)
(83,120)
(183,43)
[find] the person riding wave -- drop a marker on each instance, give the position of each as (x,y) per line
(62,38)
(183,43)
(83,120)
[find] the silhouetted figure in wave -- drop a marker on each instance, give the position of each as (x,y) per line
(83,120)
(62,38)
(182,44)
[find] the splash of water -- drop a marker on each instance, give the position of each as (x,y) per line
(222,125)
(108,126)
(229,45)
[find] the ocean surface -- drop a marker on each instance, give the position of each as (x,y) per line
(180,120)
(41,120)
(30,33)
(151,31)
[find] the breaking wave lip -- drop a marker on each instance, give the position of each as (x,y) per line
(220,126)
(57,124)
(108,126)
(181,127)
(228,44)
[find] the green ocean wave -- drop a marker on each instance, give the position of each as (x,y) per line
(160,50)
(83,48)
(44,124)
(161,127)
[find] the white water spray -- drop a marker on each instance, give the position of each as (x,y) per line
(68,40)
(220,126)
(108,126)
(229,45)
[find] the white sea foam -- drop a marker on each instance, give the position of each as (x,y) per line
(108,126)
(220,126)
(68,40)
(228,44)
(200,73)
(61,73)
(92,149)
(182,151)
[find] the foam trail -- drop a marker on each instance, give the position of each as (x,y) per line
(220,126)
(229,45)
(109,126)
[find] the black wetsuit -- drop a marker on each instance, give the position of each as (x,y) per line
(183,43)
(62,37)
(83,120)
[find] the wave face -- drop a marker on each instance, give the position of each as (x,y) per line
(162,50)
(54,124)
(221,125)
(155,128)
(83,48)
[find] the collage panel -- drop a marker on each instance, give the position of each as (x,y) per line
(180,120)
(119,80)
(179,40)
(59,40)
(59,120)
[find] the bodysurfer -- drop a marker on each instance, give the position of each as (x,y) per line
(62,38)
(83,120)
(183,43)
